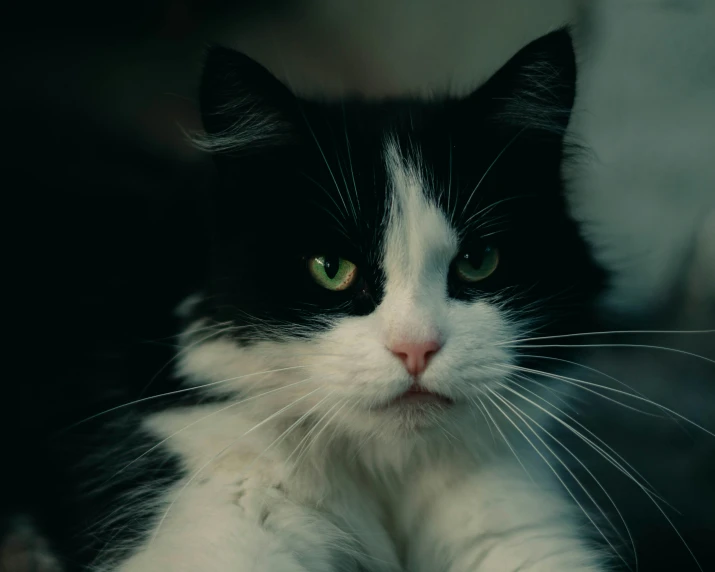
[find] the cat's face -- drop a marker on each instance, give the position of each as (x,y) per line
(380,259)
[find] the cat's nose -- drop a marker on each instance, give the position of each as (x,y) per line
(415,356)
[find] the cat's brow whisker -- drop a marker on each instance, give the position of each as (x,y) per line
(325,160)
(350,160)
(451,211)
(522,414)
(473,219)
(330,196)
(491,166)
(581,383)
(555,472)
(221,452)
(345,181)
(341,226)
(613,332)
(179,391)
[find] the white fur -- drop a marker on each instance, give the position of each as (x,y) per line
(308,470)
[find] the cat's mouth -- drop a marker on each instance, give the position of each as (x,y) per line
(418,395)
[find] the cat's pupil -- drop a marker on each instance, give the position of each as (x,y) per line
(331,266)
(474,259)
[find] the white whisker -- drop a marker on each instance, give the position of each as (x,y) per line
(612,332)
(577,459)
(179,391)
(637,346)
(494,162)
(608,452)
(556,474)
(580,383)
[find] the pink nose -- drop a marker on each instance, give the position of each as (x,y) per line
(415,356)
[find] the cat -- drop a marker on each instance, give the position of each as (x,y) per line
(342,395)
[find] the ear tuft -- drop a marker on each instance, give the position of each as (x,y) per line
(243,106)
(537,87)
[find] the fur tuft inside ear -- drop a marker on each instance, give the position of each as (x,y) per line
(536,89)
(243,106)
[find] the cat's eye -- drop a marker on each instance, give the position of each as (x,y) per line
(332,272)
(477,264)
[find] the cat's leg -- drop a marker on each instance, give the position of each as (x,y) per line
(495,519)
(243,526)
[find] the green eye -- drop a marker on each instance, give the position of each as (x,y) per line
(476,265)
(332,272)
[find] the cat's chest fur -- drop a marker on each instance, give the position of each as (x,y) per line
(361,498)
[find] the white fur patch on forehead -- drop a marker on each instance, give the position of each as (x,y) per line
(420,243)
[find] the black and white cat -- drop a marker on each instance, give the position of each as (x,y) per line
(353,387)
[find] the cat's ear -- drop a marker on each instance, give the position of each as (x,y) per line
(535,89)
(244,107)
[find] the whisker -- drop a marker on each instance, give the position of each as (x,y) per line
(608,452)
(185,349)
(285,433)
(481,410)
(579,383)
(599,372)
(563,483)
(578,460)
(345,181)
(330,196)
(307,438)
(179,391)
(516,456)
(512,368)
(350,160)
(509,144)
(614,332)
(221,410)
(637,346)
(648,492)
(325,160)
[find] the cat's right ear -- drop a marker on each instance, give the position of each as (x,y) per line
(244,107)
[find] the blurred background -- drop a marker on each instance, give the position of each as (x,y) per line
(100,181)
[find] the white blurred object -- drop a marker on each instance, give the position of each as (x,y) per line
(647,111)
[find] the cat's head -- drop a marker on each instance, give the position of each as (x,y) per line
(381,258)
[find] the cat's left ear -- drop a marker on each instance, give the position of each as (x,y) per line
(244,107)
(535,90)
